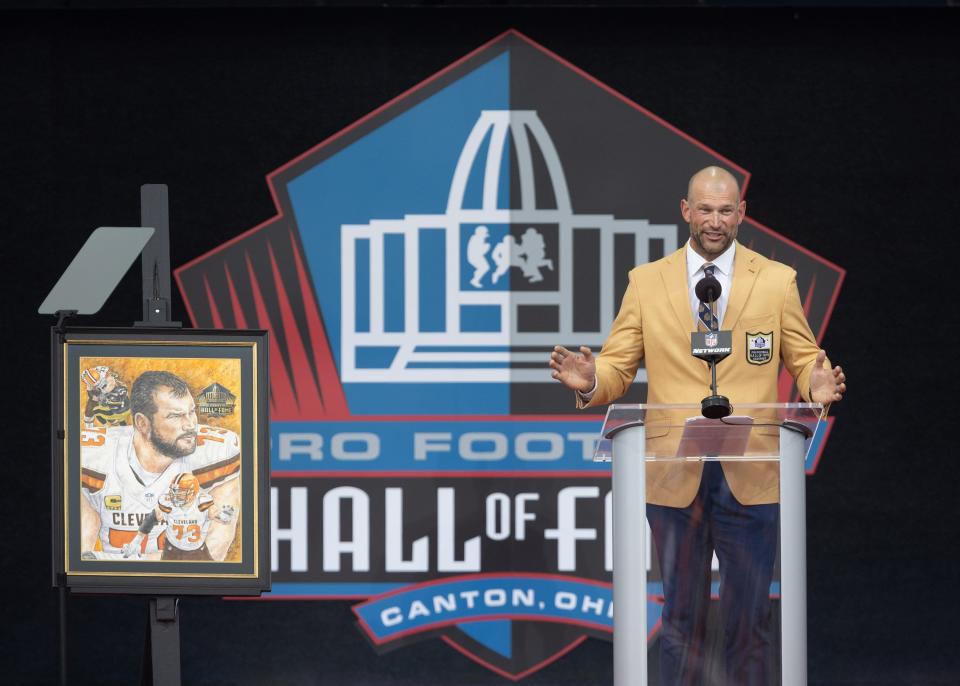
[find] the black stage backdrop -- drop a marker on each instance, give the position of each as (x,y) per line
(847,120)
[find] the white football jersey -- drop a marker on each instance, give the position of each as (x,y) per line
(186,527)
(123,493)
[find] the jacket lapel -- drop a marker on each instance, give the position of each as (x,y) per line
(674,275)
(745,271)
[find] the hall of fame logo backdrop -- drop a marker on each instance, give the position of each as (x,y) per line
(422,264)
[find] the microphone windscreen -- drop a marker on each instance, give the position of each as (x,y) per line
(705,286)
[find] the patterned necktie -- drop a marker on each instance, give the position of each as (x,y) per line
(707,320)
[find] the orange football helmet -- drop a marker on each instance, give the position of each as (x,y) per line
(184,489)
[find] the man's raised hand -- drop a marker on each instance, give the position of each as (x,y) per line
(826,385)
(574,370)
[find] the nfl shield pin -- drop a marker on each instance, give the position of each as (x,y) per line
(759,347)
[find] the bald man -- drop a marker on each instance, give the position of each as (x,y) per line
(697,508)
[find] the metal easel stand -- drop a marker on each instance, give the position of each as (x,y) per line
(155,212)
(161,648)
(78,293)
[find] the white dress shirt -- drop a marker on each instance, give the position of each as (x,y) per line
(723,273)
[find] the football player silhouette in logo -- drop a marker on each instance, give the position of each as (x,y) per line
(529,256)
(532,246)
(477,249)
(506,255)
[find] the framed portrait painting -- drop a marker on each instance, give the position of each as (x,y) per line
(160,461)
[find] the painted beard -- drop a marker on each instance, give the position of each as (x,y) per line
(172,448)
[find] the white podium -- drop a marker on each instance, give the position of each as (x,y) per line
(634,436)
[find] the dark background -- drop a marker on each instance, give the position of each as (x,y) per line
(847,119)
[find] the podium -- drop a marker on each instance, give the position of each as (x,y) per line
(634,437)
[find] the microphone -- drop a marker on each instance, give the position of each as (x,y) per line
(708,289)
(712,346)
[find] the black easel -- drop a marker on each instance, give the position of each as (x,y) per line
(161,646)
(161,655)
(56,414)
(155,258)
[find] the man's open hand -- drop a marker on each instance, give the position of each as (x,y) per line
(826,385)
(577,371)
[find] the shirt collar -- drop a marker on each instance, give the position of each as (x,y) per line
(723,263)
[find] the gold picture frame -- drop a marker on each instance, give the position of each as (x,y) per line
(160,461)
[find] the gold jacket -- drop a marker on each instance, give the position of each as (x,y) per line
(654,324)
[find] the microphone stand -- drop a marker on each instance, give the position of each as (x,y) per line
(712,346)
(714,406)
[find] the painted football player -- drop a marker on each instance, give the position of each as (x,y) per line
(108,403)
(125,469)
(185,514)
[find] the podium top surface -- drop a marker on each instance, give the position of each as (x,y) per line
(681,432)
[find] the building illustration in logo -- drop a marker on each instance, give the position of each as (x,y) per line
(216,400)
(475,300)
